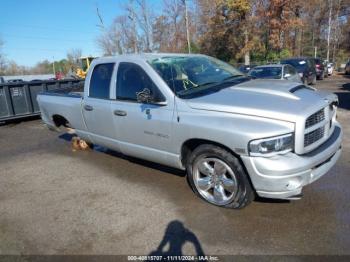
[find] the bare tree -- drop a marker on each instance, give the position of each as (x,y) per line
(162,34)
(73,56)
(144,17)
(132,16)
(175,12)
(2,59)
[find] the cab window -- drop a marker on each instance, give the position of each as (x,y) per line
(292,70)
(100,81)
(132,79)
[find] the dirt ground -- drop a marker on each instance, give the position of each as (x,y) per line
(56,201)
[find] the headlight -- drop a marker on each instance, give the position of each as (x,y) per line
(271,146)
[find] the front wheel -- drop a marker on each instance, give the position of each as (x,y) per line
(217,176)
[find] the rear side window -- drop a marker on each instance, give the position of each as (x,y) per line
(100,81)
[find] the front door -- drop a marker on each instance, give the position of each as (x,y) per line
(293,74)
(144,128)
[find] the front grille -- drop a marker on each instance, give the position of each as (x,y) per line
(313,136)
(315,118)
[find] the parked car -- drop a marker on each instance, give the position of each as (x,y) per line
(245,68)
(305,67)
(234,136)
(275,71)
(330,68)
(347,68)
(321,71)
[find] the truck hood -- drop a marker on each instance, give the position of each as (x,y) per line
(276,99)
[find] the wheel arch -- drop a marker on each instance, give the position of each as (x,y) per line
(60,120)
(191,144)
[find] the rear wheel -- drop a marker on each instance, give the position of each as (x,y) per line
(217,176)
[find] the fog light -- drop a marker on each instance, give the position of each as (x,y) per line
(294,183)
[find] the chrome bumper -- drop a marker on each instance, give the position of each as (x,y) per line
(284,176)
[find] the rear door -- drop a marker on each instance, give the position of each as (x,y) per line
(97,106)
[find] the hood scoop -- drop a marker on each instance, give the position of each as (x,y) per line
(266,91)
(300,87)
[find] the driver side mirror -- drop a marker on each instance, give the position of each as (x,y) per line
(286,76)
(146,97)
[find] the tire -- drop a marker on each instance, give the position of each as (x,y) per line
(313,82)
(217,177)
(322,77)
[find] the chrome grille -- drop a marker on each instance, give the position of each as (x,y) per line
(313,136)
(315,118)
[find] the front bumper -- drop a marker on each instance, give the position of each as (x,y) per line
(284,176)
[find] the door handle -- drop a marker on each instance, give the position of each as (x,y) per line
(88,108)
(120,113)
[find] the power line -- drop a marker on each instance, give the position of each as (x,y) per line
(48,28)
(35,49)
(45,38)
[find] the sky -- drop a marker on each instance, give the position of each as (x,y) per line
(34,30)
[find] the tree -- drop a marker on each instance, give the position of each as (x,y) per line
(73,56)
(228,28)
(43,67)
(2,59)
(161,33)
(144,18)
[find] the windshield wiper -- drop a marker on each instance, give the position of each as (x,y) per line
(207,83)
(198,87)
(231,77)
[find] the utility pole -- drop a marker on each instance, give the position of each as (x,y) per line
(247,53)
(315,51)
(187,29)
(329,27)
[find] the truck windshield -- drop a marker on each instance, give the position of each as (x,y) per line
(190,75)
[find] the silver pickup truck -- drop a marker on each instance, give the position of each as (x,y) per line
(235,137)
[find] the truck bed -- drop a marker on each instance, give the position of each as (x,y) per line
(64,102)
(71,91)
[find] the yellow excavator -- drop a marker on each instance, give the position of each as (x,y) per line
(85,64)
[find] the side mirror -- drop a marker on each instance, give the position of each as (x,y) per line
(144,96)
(286,76)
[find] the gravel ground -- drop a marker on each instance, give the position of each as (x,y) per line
(57,201)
